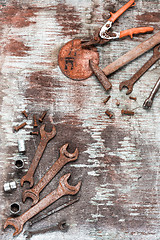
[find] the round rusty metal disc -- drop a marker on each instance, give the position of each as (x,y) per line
(74,60)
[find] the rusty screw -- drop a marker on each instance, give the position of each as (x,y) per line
(117,103)
(127,112)
(16,128)
(42,116)
(34,133)
(107,99)
(25,114)
(109,114)
(133,98)
(35,121)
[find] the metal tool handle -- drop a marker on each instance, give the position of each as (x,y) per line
(132,54)
(116,15)
(155,89)
(130,32)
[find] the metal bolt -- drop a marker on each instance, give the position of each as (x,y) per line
(133,98)
(16,128)
(34,133)
(35,121)
(25,114)
(42,116)
(106,100)
(127,112)
(109,114)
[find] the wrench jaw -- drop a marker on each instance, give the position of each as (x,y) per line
(47,135)
(147,103)
(25,178)
(125,84)
(15,223)
(65,187)
(69,156)
(30,194)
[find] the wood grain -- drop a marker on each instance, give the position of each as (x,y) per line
(118,158)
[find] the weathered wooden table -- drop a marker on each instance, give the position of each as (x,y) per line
(118,158)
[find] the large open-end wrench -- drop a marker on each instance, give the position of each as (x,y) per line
(63,189)
(129,83)
(64,158)
(45,137)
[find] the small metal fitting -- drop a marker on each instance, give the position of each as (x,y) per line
(25,114)
(15,208)
(9,186)
(35,121)
(21,146)
(16,128)
(133,98)
(34,133)
(19,164)
(127,112)
(42,116)
(109,114)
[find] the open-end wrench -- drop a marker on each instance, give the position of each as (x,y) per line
(148,102)
(45,137)
(63,189)
(64,158)
(129,83)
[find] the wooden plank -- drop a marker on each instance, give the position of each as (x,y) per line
(118,158)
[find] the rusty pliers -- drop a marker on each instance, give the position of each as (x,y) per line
(102,35)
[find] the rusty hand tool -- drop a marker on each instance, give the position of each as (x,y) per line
(63,189)
(61,226)
(132,54)
(45,137)
(100,76)
(148,102)
(123,60)
(129,83)
(35,220)
(64,158)
(103,35)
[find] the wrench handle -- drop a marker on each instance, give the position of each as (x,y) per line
(39,152)
(155,89)
(116,15)
(41,205)
(132,54)
(50,174)
(143,69)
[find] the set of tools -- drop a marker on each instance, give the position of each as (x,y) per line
(64,188)
(79,59)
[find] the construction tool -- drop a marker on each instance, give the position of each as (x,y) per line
(67,204)
(148,102)
(129,83)
(65,157)
(63,189)
(45,138)
(126,58)
(103,35)
(61,226)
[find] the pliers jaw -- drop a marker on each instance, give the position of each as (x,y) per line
(105,29)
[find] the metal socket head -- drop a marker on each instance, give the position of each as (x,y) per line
(19,164)
(8,186)
(15,208)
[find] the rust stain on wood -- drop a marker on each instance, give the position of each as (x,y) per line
(16,48)
(149,17)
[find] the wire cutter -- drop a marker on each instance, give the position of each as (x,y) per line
(103,35)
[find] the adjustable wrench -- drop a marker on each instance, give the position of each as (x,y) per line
(45,137)
(64,158)
(63,189)
(129,83)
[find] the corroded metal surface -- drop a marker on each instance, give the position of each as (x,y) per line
(119,157)
(74,60)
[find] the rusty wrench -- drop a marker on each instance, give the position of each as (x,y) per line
(63,189)
(129,83)
(45,137)
(64,158)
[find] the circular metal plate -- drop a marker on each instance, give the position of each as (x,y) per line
(74,60)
